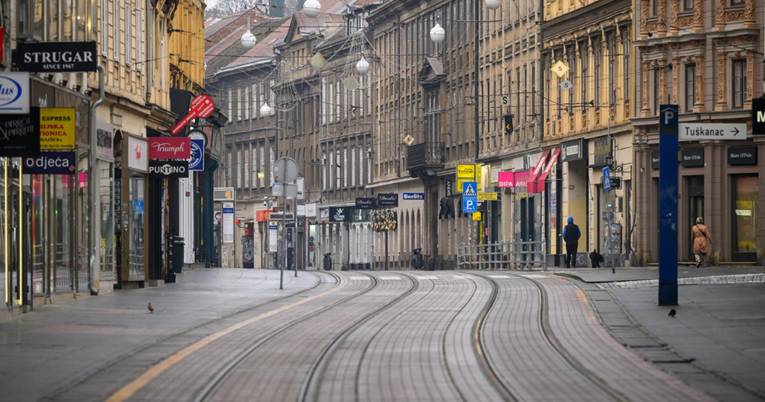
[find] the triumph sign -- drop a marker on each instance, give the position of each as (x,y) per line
(169,169)
(56,57)
(169,148)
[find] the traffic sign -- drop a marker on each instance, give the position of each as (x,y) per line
(469,205)
(566,85)
(559,68)
(469,189)
(408,140)
(606,178)
(712,131)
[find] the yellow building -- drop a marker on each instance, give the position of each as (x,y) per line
(187,46)
(588,97)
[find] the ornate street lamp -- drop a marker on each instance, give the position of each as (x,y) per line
(312,8)
(437,34)
(362,66)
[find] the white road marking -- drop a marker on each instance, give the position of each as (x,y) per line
(390,278)
(535,276)
(427,277)
(499,276)
(360,278)
(460,277)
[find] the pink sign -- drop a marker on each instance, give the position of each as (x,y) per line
(506,180)
(169,148)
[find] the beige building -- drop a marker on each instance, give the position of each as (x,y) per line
(706,57)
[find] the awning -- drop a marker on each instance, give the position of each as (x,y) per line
(534,173)
(539,185)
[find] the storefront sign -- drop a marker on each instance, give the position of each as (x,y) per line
(655,160)
(50,163)
(262,216)
(506,180)
(758,116)
(14,93)
(711,131)
(521,179)
(693,157)
(466,172)
(169,148)
(365,203)
(228,222)
(20,134)
(413,196)
(56,57)
(197,161)
(494,175)
(387,200)
(602,152)
(340,214)
(476,216)
(449,187)
(573,150)
(487,197)
(169,169)
(57,129)
(105,141)
(223,193)
(137,154)
(201,106)
(742,156)
(310,210)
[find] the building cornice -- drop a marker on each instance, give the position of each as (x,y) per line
(587,16)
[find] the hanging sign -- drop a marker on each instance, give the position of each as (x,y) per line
(169,148)
(169,169)
(197,161)
(365,203)
(50,163)
(137,154)
(387,200)
(20,134)
(56,57)
(201,106)
(57,129)
(14,93)
(340,214)
(506,180)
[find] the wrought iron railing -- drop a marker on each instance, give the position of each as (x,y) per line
(425,155)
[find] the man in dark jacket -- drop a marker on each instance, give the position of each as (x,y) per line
(571,235)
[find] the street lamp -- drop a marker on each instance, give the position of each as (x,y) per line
(265,110)
(312,8)
(437,34)
(493,4)
(362,66)
(248,40)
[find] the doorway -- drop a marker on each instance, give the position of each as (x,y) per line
(695,207)
(745,194)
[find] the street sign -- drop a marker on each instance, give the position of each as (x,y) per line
(712,131)
(201,106)
(476,216)
(504,100)
(668,200)
(469,189)
(566,85)
(197,162)
(223,193)
(469,205)
(408,140)
(606,179)
(559,68)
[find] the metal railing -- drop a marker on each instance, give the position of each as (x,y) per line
(518,255)
(425,155)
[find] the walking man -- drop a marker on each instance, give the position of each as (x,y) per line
(571,235)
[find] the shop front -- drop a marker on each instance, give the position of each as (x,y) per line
(131,207)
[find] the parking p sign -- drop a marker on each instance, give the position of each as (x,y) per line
(469,197)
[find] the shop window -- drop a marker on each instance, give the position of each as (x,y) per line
(107,221)
(739,83)
(136,229)
(745,214)
(690,86)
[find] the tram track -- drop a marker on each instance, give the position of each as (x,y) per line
(208,391)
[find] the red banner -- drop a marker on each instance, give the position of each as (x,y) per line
(262,216)
(169,148)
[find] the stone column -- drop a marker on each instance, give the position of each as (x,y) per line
(674,18)
(749,18)
(720,15)
(663,83)
(699,84)
(676,67)
(646,70)
(722,80)
(750,82)
(661,18)
(644,5)
(698,15)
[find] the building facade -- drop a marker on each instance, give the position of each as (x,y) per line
(704,56)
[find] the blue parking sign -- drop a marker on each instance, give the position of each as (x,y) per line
(469,205)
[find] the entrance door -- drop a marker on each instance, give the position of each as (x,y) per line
(528,225)
(745,193)
(695,207)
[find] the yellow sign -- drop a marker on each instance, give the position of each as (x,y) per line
(57,128)
(487,196)
(478,170)
(261,175)
(459,184)
(466,172)
(408,140)
(559,68)
(476,216)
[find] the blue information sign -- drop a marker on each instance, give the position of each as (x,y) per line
(668,190)
(606,178)
(197,161)
(469,197)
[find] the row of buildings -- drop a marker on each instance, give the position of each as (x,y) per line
(106,222)
(375,98)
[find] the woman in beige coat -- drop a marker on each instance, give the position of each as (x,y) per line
(701,239)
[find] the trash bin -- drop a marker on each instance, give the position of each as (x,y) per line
(178,244)
(417,258)
(328,261)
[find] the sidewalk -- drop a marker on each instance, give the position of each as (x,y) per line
(60,344)
(716,342)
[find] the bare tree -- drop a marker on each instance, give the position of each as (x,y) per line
(224,8)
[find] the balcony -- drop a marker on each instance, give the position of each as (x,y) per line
(424,158)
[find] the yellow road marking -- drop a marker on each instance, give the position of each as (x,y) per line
(134,386)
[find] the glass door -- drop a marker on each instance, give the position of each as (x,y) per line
(745,193)
(695,207)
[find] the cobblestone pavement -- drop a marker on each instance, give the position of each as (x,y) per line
(350,336)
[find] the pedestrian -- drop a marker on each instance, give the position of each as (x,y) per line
(596,258)
(571,235)
(701,239)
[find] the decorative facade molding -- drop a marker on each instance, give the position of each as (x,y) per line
(722,66)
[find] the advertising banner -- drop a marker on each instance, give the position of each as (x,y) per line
(137,154)
(57,129)
(169,148)
(197,161)
(14,93)
(50,163)
(169,169)
(20,135)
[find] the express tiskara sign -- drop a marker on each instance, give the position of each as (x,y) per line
(57,129)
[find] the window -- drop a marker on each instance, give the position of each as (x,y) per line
(345,165)
(230,103)
(626,63)
(739,83)
(138,37)
(656,90)
(117,30)
(338,168)
(652,8)
(104,27)
(128,34)
(230,168)
(687,5)
(262,169)
(690,86)
(571,66)
(361,164)
(518,96)
(353,166)
(596,55)
(533,92)
(547,88)
(239,167)
(239,104)
(246,102)
(246,166)
(255,169)
(612,70)
(583,79)
(736,2)
(525,116)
